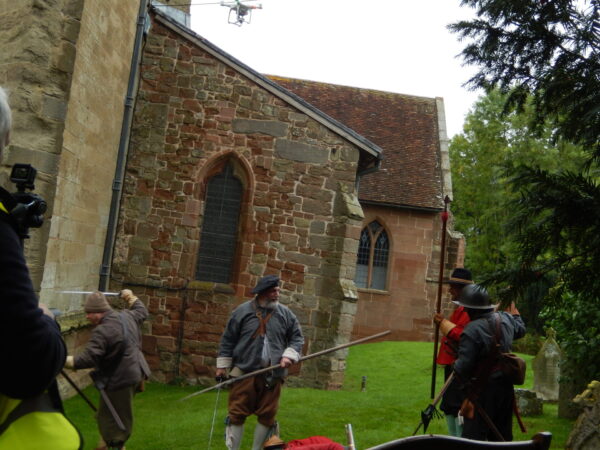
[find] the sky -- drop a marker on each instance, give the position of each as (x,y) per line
(397,46)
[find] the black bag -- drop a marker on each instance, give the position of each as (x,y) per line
(511,365)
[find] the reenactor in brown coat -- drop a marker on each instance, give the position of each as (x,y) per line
(114,351)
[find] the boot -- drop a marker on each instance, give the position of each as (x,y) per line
(233,436)
(260,436)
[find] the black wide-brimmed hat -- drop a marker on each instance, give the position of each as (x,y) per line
(461,276)
(475,296)
(266,282)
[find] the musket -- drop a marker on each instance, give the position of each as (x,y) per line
(438,306)
(277,366)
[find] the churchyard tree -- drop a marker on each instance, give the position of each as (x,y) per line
(543,55)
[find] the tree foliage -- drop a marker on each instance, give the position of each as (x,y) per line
(484,156)
(547,52)
(546,49)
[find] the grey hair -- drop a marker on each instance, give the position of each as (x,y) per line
(5,118)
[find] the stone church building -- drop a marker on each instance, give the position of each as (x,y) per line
(177,171)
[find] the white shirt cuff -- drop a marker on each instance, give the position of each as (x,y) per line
(224,362)
(292,354)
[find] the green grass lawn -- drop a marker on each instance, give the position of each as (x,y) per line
(397,389)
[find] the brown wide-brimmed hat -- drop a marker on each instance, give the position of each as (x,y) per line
(461,276)
(273,443)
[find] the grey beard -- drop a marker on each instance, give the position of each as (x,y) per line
(268,304)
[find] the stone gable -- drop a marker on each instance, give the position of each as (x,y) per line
(300,217)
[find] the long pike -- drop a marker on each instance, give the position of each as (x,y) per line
(276,366)
(438,307)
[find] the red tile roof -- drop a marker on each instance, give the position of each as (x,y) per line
(404,126)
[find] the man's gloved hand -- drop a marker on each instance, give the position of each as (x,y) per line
(70,362)
(446,326)
(127,295)
(221,375)
(285,362)
(437,318)
(467,409)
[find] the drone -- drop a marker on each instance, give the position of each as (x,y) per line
(239,12)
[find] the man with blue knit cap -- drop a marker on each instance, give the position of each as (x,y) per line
(260,333)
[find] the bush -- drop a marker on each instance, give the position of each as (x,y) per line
(529,344)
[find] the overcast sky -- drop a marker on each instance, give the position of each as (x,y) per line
(398,46)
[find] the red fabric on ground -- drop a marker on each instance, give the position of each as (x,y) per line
(315,443)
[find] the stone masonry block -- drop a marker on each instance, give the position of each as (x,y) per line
(268,127)
(298,151)
(54,108)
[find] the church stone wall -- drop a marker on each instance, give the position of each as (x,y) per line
(66,65)
(86,171)
(408,303)
(36,67)
(300,217)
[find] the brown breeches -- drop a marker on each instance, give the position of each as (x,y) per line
(122,400)
(251,396)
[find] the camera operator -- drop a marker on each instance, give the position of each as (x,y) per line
(32,350)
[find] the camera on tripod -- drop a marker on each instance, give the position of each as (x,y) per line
(30,209)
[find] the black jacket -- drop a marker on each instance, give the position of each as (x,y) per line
(31,347)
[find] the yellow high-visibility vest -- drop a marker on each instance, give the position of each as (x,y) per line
(43,428)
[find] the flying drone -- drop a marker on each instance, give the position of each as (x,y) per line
(239,12)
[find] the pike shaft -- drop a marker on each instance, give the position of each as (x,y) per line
(276,366)
(438,307)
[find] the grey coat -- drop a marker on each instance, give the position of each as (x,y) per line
(104,351)
(240,349)
(477,339)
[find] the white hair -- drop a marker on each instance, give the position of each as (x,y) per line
(5,118)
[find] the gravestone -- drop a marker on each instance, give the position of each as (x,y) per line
(528,402)
(546,369)
(586,431)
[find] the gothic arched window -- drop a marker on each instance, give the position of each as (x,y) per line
(219,236)
(372,261)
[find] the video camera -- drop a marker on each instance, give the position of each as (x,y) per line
(30,207)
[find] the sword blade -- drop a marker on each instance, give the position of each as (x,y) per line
(212,426)
(110,294)
(112,410)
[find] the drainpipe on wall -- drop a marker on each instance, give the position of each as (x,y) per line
(117,188)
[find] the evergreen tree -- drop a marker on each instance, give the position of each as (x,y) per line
(492,144)
(543,49)
(548,51)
